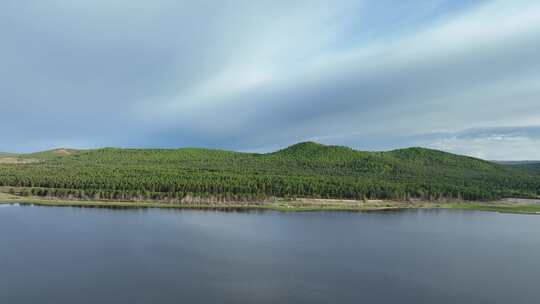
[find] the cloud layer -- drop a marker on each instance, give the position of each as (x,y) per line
(258,75)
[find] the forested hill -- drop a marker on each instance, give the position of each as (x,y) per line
(532,167)
(302,170)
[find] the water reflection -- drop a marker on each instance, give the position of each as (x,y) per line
(78,255)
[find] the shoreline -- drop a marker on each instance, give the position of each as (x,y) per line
(283,205)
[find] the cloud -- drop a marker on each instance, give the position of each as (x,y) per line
(447,75)
(522,142)
(256,75)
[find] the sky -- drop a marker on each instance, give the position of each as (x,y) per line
(460,76)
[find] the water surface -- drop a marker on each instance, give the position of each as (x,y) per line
(77,255)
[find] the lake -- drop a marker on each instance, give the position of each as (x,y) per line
(77,255)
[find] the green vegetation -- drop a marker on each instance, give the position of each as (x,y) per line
(532,167)
(308,170)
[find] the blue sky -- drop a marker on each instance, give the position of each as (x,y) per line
(460,76)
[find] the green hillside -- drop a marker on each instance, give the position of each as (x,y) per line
(532,167)
(303,170)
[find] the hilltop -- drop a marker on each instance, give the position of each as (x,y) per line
(307,170)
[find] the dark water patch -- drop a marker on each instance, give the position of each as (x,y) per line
(78,255)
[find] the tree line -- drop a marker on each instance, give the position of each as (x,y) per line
(304,170)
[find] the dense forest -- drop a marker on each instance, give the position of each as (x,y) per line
(303,170)
(532,167)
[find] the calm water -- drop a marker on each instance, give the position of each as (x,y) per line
(72,255)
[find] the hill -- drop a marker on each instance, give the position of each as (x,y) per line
(307,169)
(531,166)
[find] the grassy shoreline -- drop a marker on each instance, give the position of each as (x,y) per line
(282,205)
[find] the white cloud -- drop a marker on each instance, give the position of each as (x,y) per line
(256,74)
(496,147)
(432,69)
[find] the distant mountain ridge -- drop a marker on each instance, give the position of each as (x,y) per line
(516,162)
(306,169)
(530,166)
